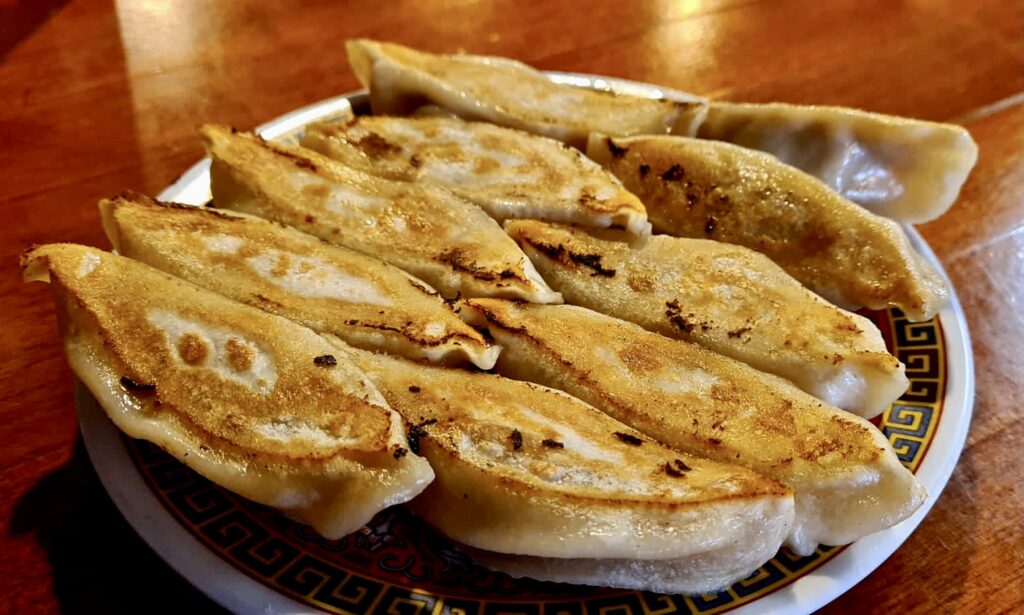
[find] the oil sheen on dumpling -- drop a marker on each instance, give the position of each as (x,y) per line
(904,169)
(508,93)
(509,173)
(256,403)
(540,484)
(727,298)
(847,480)
(713,190)
(429,232)
(328,288)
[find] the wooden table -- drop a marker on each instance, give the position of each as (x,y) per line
(100,96)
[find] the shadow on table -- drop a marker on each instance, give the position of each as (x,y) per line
(18,20)
(100,565)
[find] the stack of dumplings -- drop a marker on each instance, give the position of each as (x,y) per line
(660,288)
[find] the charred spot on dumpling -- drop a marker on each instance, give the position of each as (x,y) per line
(414,389)
(673,174)
(564,255)
(628,438)
(457,260)
(676,470)
(738,333)
(709,225)
(325,360)
(136,387)
(616,150)
(517,439)
(550,443)
(644,169)
(400,452)
(674,314)
(417,433)
(592,261)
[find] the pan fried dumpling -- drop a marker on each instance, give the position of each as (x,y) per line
(508,93)
(509,173)
(429,232)
(727,298)
(848,482)
(904,169)
(254,402)
(706,189)
(528,475)
(330,289)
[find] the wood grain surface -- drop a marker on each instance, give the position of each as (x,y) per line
(99,96)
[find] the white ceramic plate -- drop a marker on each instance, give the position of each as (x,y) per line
(249,559)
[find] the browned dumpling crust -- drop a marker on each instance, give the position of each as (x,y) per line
(509,173)
(527,471)
(905,169)
(254,402)
(712,190)
(328,288)
(848,481)
(726,298)
(429,232)
(508,93)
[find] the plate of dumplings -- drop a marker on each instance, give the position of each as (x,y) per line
(482,339)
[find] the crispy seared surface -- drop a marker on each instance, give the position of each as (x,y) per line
(847,480)
(508,93)
(254,402)
(712,190)
(429,232)
(719,407)
(509,173)
(222,368)
(328,288)
(727,298)
(526,469)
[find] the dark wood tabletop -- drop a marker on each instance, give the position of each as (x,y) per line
(99,96)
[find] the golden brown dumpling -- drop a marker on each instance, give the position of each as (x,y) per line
(538,483)
(254,402)
(712,190)
(429,232)
(847,480)
(508,173)
(727,298)
(328,288)
(508,93)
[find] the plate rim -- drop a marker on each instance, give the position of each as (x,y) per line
(236,591)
